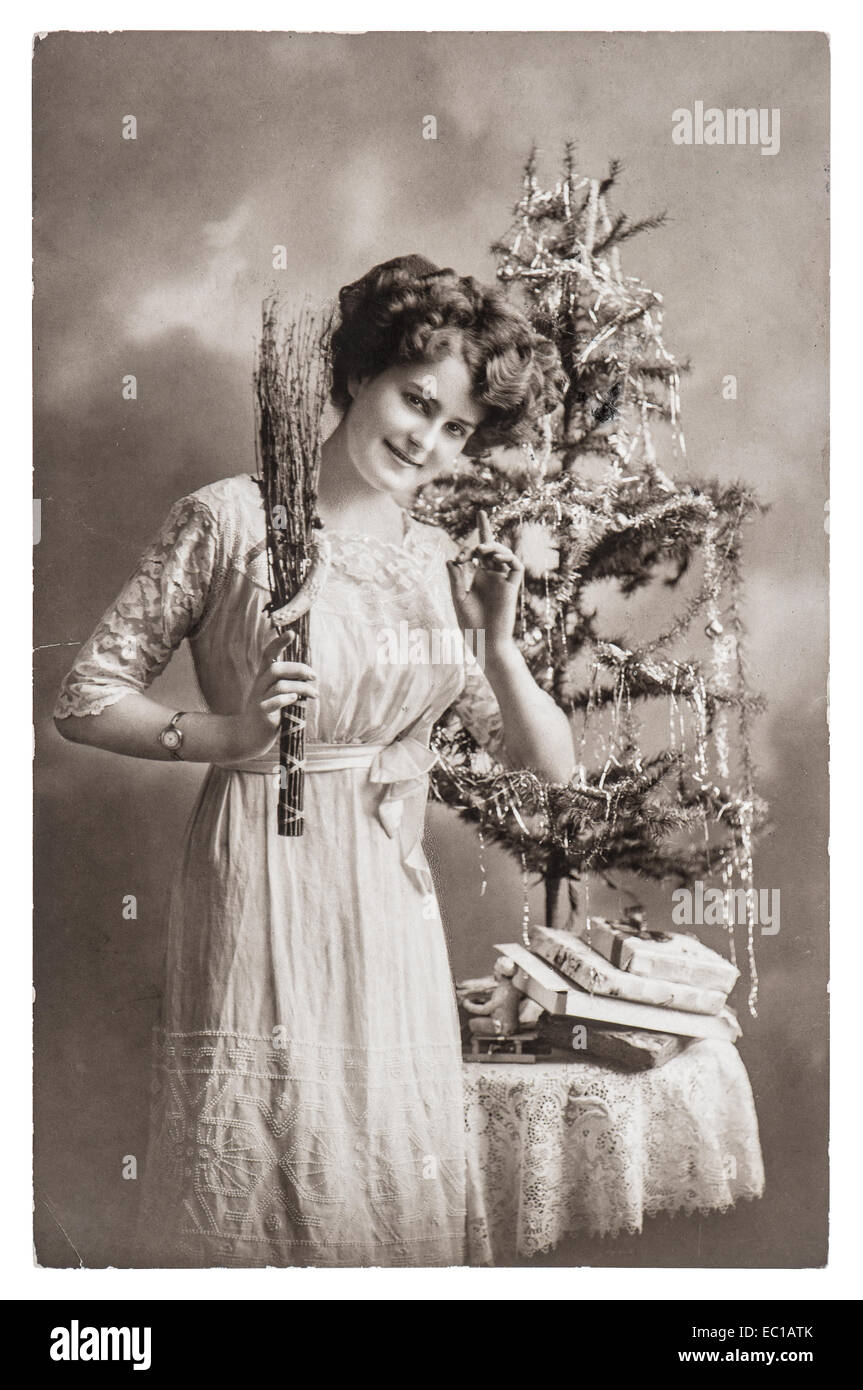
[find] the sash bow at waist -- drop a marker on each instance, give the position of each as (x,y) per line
(402,767)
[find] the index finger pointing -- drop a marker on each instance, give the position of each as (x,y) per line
(485,531)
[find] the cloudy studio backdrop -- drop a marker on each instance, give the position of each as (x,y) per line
(152,258)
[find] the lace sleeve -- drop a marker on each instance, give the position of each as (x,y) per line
(479,711)
(166,599)
(476,706)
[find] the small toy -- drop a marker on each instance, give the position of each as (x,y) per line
(495,1029)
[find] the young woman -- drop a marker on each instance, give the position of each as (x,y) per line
(307,1101)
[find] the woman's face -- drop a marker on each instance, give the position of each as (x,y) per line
(410,422)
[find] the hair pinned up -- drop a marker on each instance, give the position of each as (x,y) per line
(409,310)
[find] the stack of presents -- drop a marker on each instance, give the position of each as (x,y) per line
(606,989)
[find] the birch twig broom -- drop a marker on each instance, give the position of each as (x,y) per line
(292,379)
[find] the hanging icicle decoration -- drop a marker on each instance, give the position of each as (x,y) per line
(586,896)
(681,707)
(727,908)
(698,697)
(721,651)
(706,830)
(752,1000)
(549,628)
(673,712)
(747,878)
(677,427)
(482,861)
(618,725)
(702,769)
(525,911)
(631,728)
(588,711)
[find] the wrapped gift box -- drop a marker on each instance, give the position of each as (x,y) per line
(546,986)
(592,972)
(682,959)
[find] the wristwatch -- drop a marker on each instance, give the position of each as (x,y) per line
(172,738)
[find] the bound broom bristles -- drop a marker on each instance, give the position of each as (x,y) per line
(292,381)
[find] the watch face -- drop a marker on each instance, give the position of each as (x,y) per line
(172,738)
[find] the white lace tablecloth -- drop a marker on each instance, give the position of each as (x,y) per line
(565,1147)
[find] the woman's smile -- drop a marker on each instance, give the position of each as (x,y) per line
(403,458)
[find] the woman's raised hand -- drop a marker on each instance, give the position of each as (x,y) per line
(278,684)
(491,601)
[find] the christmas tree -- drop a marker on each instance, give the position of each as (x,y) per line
(589,502)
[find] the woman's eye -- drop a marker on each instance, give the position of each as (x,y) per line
(458,430)
(415,400)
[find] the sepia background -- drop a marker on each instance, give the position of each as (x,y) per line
(152,257)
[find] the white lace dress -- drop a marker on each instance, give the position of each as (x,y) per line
(307,1088)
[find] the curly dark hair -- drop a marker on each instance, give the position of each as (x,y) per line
(409,310)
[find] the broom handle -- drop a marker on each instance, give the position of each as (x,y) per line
(292,749)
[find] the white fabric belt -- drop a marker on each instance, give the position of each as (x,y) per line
(319,757)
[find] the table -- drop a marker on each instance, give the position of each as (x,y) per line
(582,1147)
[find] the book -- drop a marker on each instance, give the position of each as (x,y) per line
(636,1049)
(541,982)
(584,966)
(680,958)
